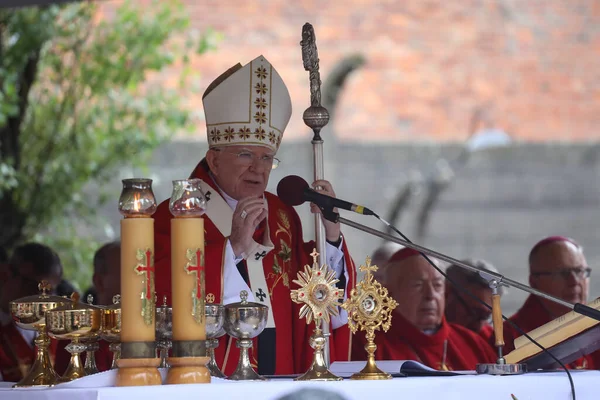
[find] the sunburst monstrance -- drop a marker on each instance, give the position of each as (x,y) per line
(320,299)
(317,291)
(369,309)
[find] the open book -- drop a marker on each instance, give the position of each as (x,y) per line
(557,331)
(394,367)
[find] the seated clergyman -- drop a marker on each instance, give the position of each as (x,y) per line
(419,329)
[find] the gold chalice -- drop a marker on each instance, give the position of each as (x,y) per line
(29,313)
(77,322)
(110,328)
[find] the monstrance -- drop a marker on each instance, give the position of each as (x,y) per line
(369,309)
(320,298)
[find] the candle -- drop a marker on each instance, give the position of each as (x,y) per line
(187,260)
(138,365)
(187,278)
(137,204)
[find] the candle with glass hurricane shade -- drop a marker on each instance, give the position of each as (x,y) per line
(188,361)
(138,365)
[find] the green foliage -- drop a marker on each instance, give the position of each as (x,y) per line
(91,104)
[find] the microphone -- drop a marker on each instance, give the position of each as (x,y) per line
(293,191)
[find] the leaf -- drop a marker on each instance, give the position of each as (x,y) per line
(94,106)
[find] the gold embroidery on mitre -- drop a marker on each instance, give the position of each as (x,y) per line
(259,112)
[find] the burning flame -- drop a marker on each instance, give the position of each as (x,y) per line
(136,202)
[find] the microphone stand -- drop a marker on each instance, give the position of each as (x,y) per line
(487,275)
(494,281)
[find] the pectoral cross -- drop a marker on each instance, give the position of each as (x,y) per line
(258,256)
(198,269)
(146,267)
(260,294)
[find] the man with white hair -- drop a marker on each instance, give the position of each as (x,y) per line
(254,240)
(419,329)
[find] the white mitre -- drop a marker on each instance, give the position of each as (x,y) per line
(247,105)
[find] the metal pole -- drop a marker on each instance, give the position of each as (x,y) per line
(487,275)
(316,117)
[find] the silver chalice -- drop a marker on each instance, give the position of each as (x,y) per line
(244,321)
(164,332)
(215,318)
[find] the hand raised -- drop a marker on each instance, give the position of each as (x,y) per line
(248,214)
(332,229)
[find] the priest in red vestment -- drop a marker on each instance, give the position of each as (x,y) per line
(557,266)
(253,240)
(29,264)
(419,329)
(464,310)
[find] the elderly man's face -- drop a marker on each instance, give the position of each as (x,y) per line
(241,171)
(560,269)
(419,290)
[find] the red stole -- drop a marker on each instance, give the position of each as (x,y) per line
(16,355)
(281,265)
(532,315)
(452,347)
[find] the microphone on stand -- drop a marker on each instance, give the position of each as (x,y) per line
(293,191)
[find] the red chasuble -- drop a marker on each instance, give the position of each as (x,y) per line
(451,348)
(487,333)
(16,355)
(532,315)
(281,265)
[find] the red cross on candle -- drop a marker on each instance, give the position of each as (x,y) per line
(198,269)
(146,268)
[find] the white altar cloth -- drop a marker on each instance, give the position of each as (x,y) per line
(532,386)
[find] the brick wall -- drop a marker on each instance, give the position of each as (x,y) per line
(534,65)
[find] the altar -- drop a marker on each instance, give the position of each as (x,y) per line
(531,386)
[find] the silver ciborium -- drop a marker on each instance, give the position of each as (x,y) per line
(215,318)
(244,321)
(164,332)
(93,346)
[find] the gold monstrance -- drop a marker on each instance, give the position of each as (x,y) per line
(321,298)
(369,308)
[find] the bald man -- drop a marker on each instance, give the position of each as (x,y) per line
(419,329)
(557,266)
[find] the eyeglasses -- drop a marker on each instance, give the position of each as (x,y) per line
(248,158)
(565,273)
